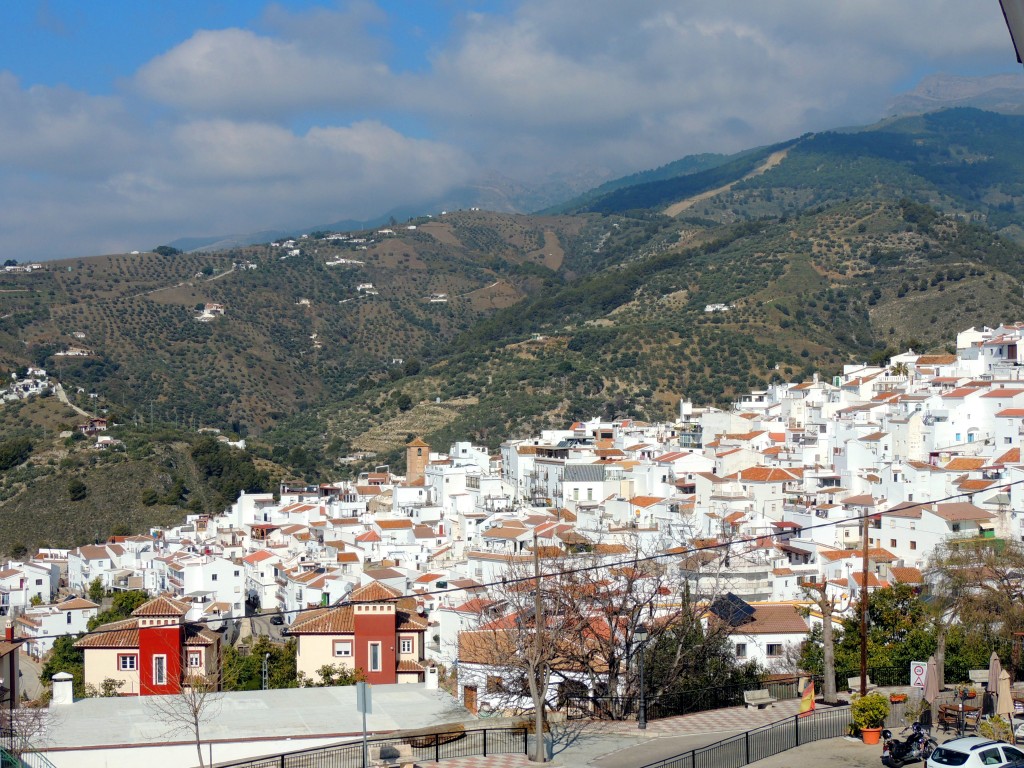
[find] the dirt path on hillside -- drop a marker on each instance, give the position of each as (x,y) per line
(770,162)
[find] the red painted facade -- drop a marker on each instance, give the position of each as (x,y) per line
(165,641)
(375,625)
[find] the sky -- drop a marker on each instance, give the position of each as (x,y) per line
(126,124)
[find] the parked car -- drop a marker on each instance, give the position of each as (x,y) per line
(277,618)
(975,752)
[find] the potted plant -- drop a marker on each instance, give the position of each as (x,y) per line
(869,713)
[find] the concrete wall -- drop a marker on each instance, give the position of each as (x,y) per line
(179,755)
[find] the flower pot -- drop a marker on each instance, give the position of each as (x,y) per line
(871,735)
(896,698)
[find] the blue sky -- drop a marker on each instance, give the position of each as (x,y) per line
(127,124)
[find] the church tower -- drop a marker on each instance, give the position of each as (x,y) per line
(417,454)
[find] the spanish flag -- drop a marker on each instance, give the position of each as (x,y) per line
(807,700)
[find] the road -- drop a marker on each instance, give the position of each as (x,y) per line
(261,625)
(63,397)
(30,670)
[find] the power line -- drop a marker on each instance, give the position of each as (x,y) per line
(757,539)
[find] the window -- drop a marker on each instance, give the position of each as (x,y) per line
(195,659)
(1013,754)
(406,645)
(1008,440)
(69,617)
(990,757)
(213,577)
(773,650)
(237,573)
(127,662)
(343,648)
(159,670)
(913,545)
(39,582)
(495,684)
(741,650)
(892,542)
(375,657)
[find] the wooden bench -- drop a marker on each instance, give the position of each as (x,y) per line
(399,755)
(760,699)
(853,684)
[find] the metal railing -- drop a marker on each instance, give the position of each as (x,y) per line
(721,697)
(432,747)
(766,741)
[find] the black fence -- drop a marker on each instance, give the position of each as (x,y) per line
(721,697)
(683,702)
(764,742)
(433,747)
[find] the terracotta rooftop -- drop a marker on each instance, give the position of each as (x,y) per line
(774,620)
(161,606)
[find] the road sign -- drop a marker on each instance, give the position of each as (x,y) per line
(364,698)
(918,673)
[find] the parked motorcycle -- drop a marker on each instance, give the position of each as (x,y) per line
(917,746)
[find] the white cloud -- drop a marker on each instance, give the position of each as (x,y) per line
(300,119)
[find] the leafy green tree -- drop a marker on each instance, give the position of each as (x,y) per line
(244,672)
(66,658)
(96,590)
(123,605)
(14,451)
(77,490)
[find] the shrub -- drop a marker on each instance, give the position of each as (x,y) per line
(77,490)
(869,711)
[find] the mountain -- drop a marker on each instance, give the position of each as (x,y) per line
(703,279)
(995,93)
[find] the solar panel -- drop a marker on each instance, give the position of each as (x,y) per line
(732,610)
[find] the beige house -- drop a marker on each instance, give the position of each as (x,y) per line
(378,630)
(158,658)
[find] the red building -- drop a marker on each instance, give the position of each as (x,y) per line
(153,652)
(379,632)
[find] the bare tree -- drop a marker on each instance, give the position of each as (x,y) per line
(28,728)
(521,650)
(187,711)
(829,606)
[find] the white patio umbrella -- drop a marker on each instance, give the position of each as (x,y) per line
(994,670)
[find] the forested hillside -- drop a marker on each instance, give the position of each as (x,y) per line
(833,248)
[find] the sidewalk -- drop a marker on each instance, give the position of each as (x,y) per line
(620,744)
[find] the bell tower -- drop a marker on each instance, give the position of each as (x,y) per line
(417,454)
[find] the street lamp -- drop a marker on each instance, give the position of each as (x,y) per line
(640,638)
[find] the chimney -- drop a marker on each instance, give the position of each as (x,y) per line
(9,631)
(431,679)
(63,695)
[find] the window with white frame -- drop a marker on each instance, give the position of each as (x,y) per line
(159,670)
(343,648)
(773,650)
(741,650)
(195,659)
(375,663)
(127,662)
(406,645)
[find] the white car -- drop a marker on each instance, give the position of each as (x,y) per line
(975,752)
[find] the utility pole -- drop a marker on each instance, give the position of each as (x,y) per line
(864,610)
